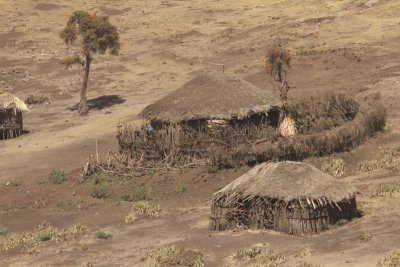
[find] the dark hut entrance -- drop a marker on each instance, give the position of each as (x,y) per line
(290,197)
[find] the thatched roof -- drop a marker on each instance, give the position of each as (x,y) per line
(211,95)
(8,101)
(289,181)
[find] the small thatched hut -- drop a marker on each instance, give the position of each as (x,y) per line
(212,99)
(11,109)
(291,197)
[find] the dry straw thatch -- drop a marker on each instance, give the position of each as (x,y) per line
(211,95)
(292,197)
(11,109)
(10,101)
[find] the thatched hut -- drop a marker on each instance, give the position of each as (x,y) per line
(11,109)
(214,99)
(291,197)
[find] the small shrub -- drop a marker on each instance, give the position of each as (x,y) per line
(45,232)
(179,188)
(171,255)
(58,177)
(142,209)
(101,177)
(390,260)
(102,190)
(35,99)
(247,254)
(3,231)
(271,259)
(334,167)
(137,193)
(40,201)
(103,235)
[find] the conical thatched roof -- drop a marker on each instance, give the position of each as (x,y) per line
(288,181)
(211,95)
(8,100)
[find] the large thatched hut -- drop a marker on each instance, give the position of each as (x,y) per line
(11,109)
(214,98)
(291,197)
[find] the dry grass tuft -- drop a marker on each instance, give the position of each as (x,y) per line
(29,241)
(171,256)
(334,167)
(270,259)
(247,254)
(142,208)
(308,252)
(390,260)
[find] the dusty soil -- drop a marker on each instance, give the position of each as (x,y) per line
(348,45)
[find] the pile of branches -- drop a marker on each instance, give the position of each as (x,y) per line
(119,165)
(369,120)
(181,144)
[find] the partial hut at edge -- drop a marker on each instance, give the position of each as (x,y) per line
(214,99)
(11,109)
(291,197)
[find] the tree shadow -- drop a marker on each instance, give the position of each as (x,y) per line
(101,102)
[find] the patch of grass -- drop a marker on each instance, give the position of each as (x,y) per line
(36,99)
(145,209)
(137,193)
(179,188)
(390,260)
(387,189)
(334,167)
(58,177)
(389,159)
(101,177)
(247,254)
(308,252)
(271,259)
(3,231)
(102,190)
(30,241)
(103,235)
(171,256)
(40,201)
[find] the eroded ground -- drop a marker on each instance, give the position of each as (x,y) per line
(348,46)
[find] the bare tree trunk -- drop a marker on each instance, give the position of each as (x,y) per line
(83,107)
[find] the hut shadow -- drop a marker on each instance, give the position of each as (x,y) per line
(101,102)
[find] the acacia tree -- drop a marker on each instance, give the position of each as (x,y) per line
(96,35)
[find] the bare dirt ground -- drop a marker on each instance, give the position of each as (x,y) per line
(349,46)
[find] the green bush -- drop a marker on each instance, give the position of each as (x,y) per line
(103,235)
(3,231)
(35,99)
(137,193)
(179,188)
(58,177)
(102,190)
(101,177)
